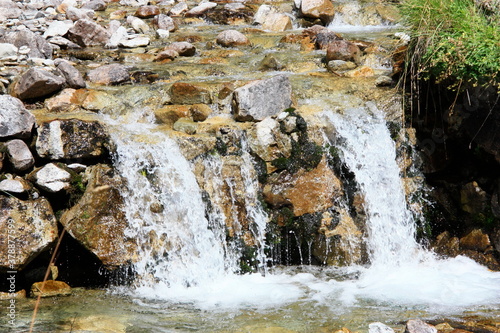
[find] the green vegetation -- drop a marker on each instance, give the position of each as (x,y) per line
(454,41)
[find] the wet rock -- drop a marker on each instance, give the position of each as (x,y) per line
(50,288)
(263,98)
(446,245)
(476,240)
(267,141)
(277,22)
(52,178)
(72,139)
(98,220)
(62,102)
(320,9)
(166,55)
(88,33)
(343,50)
(118,14)
(193,146)
(97,5)
(185,49)
(262,13)
(340,65)
(148,11)
(200,112)
(383,81)
(15,120)
(74,14)
(134,42)
(178,9)
(361,71)
(473,199)
(418,326)
(19,154)
(109,74)
(33,226)
(379,328)
(138,25)
(388,12)
(171,113)
(270,63)
(57,28)
(36,83)
(201,9)
(37,45)
(72,76)
(165,22)
(8,51)
(186,93)
(230,38)
(185,125)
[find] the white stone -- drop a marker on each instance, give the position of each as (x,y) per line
(134,42)
(137,24)
(8,51)
(52,146)
(162,33)
(15,120)
(178,9)
(52,178)
(201,8)
(379,328)
(262,13)
(12,186)
(57,28)
(119,35)
(19,155)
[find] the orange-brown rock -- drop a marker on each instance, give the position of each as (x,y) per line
(147,11)
(187,93)
(171,113)
(322,9)
(50,288)
(476,240)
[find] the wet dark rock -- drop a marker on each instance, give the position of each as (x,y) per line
(88,33)
(474,199)
(343,50)
(19,154)
(98,220)
(15,120)
(73,77)
(35,230)
(476,240)
(263,98)
(230,38)
(36,83)
(109,74)
(37,45)
(148,11)
(72,139)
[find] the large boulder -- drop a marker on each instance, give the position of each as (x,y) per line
(88,33)
(263,98)
(37,45)
(98,220)
(29,228)
(36,83)
(20,156)
(72,139)
(15,120)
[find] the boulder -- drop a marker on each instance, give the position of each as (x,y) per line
(109,74)
(185,49)
(32,226)
(277,22)
(50,288)
(72,76)
(419,326)
(263,98)
(57,28)
(318,9)
(74,14)
(52,178)
(148,11)
(19,154)
(88,33)
(36,83)
(343,50)
(37,45)
(72,139)
(229,38)
(476,240)
(187,93)
(98,220)
(15,120)
(266,140)
(165,22)
(9,10)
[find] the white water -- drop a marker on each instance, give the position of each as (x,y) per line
(192,265)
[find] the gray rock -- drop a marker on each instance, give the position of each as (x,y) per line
(165,22)
(37,45)
(383,80)
(75,14)
(109,74)
(267,141)
(52,178)
(228,38)
(8,51)
(138,25)
(72,139)
(57,28)
(9,10)
(63,43)
(134,42)
(97,5)
(185,49)
(19,154)
(34,228)
(36,83)
(263,98)
(185,125)
(178,9)
(15,120)
(117,36)
(262,13)
(202,8)
(419,326)
(88,33)
(379,328)
(73,77)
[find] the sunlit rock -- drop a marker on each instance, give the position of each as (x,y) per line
(15,120)
(322,9)
(185,49)
(73,77)
(277,22)
(187,93)
(32,227)
(17,186)
(147,11)
(267,141)
(36,83)
(178,9)
(98,220)
(88,33)
(379,328)
(52,178)
(165,22)
(109,74)
(50,288)
(19,154)
(200,9)
(37,45)
(229,38)
(343,50)
(75,14)
(476,240)
(419,326)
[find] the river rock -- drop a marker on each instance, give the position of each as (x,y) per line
(476,240)
(379,328)
(74,14)
(165,22)
(187,93)
(340,65)
(148,11)
(230,38)
(262,13)
(52,178)
(166,55)
(57,28)
(33,226)
(185,125)
(62,102)
(263,98)
(120,34)
(98,220)
(138,25)
(319,9)
(9,10)
(72,139)
(15,120)
(200,9)
(343,50)
(97,5)
(109,74)
(72,76)
(50,288)
(19,154)
(37,45)
(419,326)
(267,141)
(185,49)
(8,51)
(134,42)
(178,9)
(277,22)
(88,33)
(36,83)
